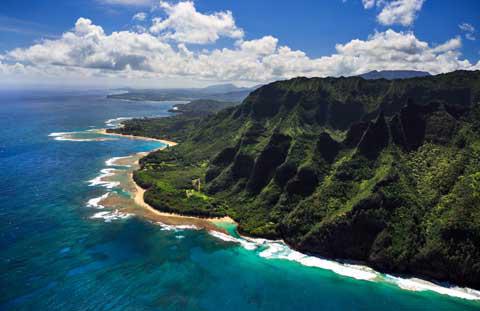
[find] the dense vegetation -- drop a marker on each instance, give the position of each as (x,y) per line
(387,172)
(177,128)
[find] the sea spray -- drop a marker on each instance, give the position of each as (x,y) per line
(176,228)
(116,122)
(80,136)
(99,180)
(113,161)
(109,216)
(416,284)
(95,202)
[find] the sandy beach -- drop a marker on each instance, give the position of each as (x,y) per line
(138,193)
(164,141)
(138,198)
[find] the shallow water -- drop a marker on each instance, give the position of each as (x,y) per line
(55,256)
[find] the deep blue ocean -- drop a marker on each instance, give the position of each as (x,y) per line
(54,256)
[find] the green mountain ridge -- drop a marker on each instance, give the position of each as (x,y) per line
(382,171)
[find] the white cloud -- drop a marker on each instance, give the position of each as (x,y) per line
(466,27)
(368,4)
(468,30)
(185,24)
(88,53)
(262,46)
(450,45)
(140,16)
(88,46)
(401,12)
(470,37)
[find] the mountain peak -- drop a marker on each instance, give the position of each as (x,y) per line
(394,74)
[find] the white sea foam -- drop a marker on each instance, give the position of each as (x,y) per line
(165,227)
(109,216)
(95,202)
(116,121)
(112,161)
(70,136)
(279,250)
(98,181)
(228,238)
(415,284)
(55,134)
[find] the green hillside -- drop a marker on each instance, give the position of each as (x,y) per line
(386,172)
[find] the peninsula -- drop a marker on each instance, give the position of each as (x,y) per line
(382,171)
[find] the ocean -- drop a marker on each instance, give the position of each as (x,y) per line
(61,251)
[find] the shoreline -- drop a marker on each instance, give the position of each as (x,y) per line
(139,200)
(139,192)
(169,143)
(352,270)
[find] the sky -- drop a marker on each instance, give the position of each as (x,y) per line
(153,43)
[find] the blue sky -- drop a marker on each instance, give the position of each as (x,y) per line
(313,28)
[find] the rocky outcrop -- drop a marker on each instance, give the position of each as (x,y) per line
(375,138)
(304,182)
(327,147)
(269,159)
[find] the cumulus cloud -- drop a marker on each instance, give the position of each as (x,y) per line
(468,30)
(185,24)
(140,16)
(368,4)
(88,52)
(466,27)
(88,46)
(400,12)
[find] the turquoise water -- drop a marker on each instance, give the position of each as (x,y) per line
(54,256)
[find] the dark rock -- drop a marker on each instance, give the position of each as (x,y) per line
(457,111)
(413,125)
(342,115)
(269,159)
(285,172)
(355,133)
(327,147)
(396,129)
(224,157)
(242,166)
(321,113)
(304,182)
(212,172)
(375,139)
